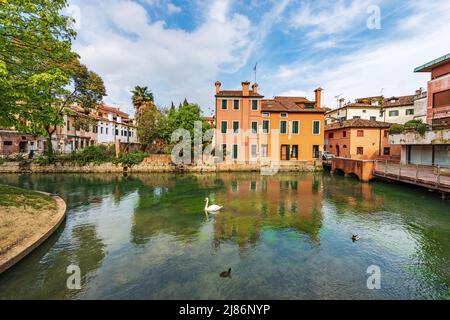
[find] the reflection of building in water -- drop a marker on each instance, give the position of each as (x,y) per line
(349,194)
(254,203)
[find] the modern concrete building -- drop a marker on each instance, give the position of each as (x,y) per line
(433,147)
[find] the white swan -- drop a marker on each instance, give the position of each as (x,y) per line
(211,208)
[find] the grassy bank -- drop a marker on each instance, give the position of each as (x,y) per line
(23,214)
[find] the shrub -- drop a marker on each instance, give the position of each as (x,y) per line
(416,125)
(131,158)
(93,154)
(2,160)
(43,160)
(396,128)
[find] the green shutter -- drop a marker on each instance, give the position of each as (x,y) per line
(283,126)
(255,127)
(235,127)
(254,105)
(316,127)
(235,151)
(224,104)
(266,126)
(224,127)
(295,127)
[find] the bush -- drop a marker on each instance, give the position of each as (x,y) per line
(2,161)
(396,129)
(43,160)
(93,154)
(130,159)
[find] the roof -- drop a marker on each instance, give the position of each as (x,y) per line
(104,107)
(427,67)
(357,123)
(399,101)
(289,104)
(354,105)
(237,93)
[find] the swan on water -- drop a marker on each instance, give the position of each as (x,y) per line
(211,208)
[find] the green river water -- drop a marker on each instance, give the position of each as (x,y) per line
(285,237)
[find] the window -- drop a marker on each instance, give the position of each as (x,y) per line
(441,99)
(107,130)
(265,114)
(373,118)
(254,105)
(235,104)
(316,127)
(295,127)
(387,151)
(283,126)
(344,134)
(68,125)
(409,112)
(7,143)
(345,146)
(283,115)
(266,125)
(360,133)
(356,117)
(360,150)
(235,151)
(223,127)
(264,149)
(224,104)
(117,132)
(364,111)
(224,151)
(385,133)
(254,151)
(101,130)
(254,127)
(331,135)
(393,113)
(235,126)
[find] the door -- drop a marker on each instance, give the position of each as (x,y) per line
(23,146)
(337,151)
(285,152)
(315,151)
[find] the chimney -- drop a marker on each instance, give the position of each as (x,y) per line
(318,92)
(255,88)
(341,102)
(245,88)
(218,84)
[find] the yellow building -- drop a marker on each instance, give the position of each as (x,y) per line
(294,127)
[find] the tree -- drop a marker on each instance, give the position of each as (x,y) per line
(142,96)
(148,126)
(39,74)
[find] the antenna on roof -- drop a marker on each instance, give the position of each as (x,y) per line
(254,69)
(381,91)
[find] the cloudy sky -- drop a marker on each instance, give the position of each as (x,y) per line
(179,48)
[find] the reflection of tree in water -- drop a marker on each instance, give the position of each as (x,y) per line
(171,204)
(254,203)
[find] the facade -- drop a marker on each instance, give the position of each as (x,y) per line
(433,147)
(114,126)
(70,137)
(399,109)
(13,142)
(360,139)
(249,128)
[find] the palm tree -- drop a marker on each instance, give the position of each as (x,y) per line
(141,95)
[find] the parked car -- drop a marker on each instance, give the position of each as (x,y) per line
(326,155)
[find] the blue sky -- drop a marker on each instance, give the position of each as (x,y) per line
(179,48)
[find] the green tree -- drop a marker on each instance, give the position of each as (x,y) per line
(39,74)
(141,96)
(148,129)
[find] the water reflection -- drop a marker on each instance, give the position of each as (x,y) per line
(288,236)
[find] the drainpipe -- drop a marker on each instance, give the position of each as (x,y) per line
(379,145)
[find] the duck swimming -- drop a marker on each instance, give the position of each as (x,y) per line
(226,274)
(355,237)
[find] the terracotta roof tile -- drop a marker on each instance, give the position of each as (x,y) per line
(357,123)
(289,104)
(399,101)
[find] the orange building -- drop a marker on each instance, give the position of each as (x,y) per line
(360,139)
(249,128)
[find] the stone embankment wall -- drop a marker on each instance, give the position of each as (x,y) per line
(159,163)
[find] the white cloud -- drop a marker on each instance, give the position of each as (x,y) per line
(341,16)
(174,63)
(387,63)
(172,9)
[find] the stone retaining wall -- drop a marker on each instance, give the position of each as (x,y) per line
(159,163)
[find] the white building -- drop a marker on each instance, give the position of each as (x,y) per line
(393,110)
(114,126)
